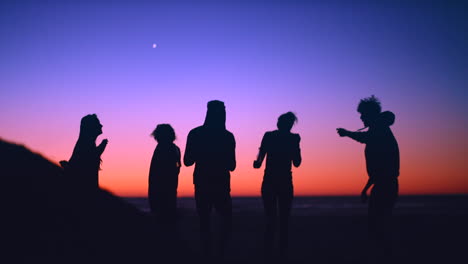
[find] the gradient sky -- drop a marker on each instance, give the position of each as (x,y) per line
(61,60)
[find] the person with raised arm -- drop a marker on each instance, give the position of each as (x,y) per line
(84,164)
(383,168)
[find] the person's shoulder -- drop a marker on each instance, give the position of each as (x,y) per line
(293,137)
(161,147)
(270,133)
(229,134)
(380,129)
(176,149)
(174,146)
(196,130)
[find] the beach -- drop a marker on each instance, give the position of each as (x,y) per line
(426,229)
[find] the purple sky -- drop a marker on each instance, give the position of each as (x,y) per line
(61,60)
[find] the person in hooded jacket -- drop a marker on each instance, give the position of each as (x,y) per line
(212,149)
(383,168)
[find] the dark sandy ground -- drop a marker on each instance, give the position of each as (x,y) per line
(434,231)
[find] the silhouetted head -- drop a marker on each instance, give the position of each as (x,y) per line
(369,108)
(164,133)
(215,115)
(90,126)
(286,121)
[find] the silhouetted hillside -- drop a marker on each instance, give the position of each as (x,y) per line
(48,219)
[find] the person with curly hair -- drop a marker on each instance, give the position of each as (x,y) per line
(383,168)
(164,174)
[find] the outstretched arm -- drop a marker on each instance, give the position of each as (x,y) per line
(358,136)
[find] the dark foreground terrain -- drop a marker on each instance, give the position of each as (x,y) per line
(47,219)
(427,229)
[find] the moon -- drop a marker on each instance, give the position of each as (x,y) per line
(154,45)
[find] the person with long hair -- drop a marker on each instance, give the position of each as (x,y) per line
(282,150)
(84,164)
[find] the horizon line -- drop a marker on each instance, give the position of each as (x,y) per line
(308,196)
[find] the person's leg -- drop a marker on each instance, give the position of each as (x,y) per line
(285,202)
(381,203)
(168,210)
(152,200)
(372,213)
(391,195)
(223,206)
(270,206)
(203,203)
(372,224)
(172,204)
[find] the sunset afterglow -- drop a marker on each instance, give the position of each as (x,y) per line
(141,64)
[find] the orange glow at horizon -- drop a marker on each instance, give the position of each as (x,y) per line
(433,164)
(336,167)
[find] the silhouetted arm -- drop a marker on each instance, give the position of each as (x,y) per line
(152,171)
(232,154)
(189,158)
(260,157)
(261,153)
(297,159)
(102,146)
(358,136)
(178,165)
(364,190)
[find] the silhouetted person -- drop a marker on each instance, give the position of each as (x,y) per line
(163,174)
(85,161)
(281,148)
(383,166)
(212,148)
